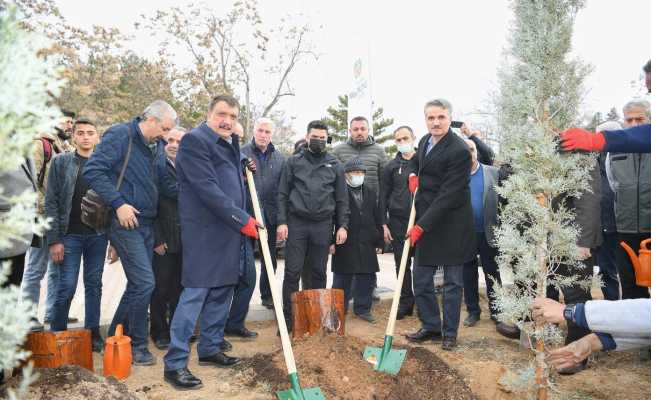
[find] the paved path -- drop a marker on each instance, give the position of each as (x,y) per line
(114,282)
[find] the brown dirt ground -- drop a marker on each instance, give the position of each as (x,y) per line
(481,359)
(335,365)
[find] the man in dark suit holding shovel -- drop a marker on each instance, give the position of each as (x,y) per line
(212,203)
(444,230)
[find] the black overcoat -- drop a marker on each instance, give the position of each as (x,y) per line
(357,255)
(443,207)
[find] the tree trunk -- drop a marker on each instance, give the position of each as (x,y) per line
(54,349)
(541,365)
(318,309)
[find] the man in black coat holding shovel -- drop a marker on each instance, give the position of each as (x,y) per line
(444,229)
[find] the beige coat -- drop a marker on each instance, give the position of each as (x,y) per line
(38,154)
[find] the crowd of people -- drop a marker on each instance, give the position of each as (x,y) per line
(182,226)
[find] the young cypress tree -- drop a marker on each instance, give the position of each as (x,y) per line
(540,94)
(26,108)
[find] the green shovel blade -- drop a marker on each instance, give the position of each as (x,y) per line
(297,392)
(308,394)
(385,359)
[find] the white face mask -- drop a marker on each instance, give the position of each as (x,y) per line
(356,181)
(405,147)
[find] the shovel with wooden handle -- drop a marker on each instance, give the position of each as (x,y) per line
(295,392)
(386,359)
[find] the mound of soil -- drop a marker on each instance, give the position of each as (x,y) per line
(335,364)
(76,383)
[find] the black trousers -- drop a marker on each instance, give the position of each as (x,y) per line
(362,293)
(164,299)
(573,295)
(487,254)
(398,229)
(630,290)
(307,242)
(265,290)
(17,264)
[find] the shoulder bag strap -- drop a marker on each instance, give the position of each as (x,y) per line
(126,159)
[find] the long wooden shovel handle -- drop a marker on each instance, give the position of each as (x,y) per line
(401,272)
(275,295)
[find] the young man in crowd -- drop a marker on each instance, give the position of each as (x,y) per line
(312,200)
(69,239)
(397,202)
(135,205)
(46,146)
(168,260)
(357,257)
(214,227)
(483,197)
(444,231)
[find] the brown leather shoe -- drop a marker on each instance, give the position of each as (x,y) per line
(508,330)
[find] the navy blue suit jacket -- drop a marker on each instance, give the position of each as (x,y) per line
(212,204)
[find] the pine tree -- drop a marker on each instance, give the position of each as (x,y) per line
(540,92)
(337,121)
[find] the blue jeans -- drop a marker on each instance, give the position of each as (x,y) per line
(136,250)
(93,249)
(361,291)
(428,306)
(244,289)
(37,264)
(608,266)
(487,255)
(213,305)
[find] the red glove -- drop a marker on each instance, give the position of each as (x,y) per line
(250,229)
(414,234)
(579,139)
(413,183)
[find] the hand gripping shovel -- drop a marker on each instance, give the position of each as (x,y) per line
(386,359)
(296,392)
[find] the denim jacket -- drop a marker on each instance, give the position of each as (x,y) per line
(62,178)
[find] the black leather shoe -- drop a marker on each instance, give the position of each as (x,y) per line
(242,333)
(402,314)
(449,344)
(423,335)
(368,317)
(471,320)
(182,379)
(225,346)
(220,360)
(96,341)
(162,343)
(508,330)
(268,303)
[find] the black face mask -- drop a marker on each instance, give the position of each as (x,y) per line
(317,146)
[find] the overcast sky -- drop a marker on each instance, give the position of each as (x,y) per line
(419,50)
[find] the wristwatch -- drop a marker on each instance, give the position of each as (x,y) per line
(568,312)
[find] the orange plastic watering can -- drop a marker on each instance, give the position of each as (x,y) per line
(641,263)
(117,355)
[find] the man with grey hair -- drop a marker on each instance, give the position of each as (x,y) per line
(135,204)
(628,175)
(270,163)
(444,233)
